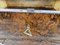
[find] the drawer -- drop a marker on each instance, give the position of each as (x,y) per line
(33,28)
(35,4)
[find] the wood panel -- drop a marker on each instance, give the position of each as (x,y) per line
(37,21)
(36,4)
(31,3)
(45,28)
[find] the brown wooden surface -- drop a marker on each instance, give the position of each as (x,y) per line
(35,4)
(45,28)
(27,3)
(31,3)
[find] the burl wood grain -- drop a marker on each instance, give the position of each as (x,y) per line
(39,23)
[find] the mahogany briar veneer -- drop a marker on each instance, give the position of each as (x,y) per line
(44,28)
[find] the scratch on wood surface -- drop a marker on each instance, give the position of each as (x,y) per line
(42,26)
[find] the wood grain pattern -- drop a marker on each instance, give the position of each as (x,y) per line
(38,22)
(36,4)
(31,3)
(45,28)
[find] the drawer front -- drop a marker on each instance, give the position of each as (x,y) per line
(17,28)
